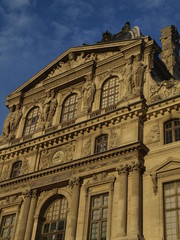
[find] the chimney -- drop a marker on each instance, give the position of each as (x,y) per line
(170,50)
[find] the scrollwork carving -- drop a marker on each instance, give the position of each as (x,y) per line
(165,89)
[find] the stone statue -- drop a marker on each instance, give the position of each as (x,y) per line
(127,72)
(88,92)
(138,73)
(72,60)
(16,118)
(49,107)
(11,122)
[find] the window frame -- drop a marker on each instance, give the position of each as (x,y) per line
(108,90)
(171,130)
(31,122)
(101,219)
(19,163)
(104,139)
(57,221)
(9,226)
(73,111)
(176,209)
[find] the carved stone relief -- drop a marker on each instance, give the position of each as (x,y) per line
(11,200)
(25,167)
(87,148)
(165,89)
(56,156)
(114,139)
(153,135)
(5,172)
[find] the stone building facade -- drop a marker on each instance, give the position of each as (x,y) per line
(90,148)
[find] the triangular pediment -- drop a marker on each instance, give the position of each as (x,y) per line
(170,164)
(83,54)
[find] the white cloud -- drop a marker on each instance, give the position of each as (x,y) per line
(16,4)
(60,29)
(149,3)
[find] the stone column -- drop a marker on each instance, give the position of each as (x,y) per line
(31,215)
(135,201)
(24,216)
(123,178)
(75,185)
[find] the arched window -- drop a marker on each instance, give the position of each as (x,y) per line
(54,224)
(172,131)
(101,143)
(16,169)
(110,92)
(69,108)
(31,121)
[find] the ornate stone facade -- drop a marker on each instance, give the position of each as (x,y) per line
(96,132)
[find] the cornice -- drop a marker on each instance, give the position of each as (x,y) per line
(119,153)
(157,109)
(64,134)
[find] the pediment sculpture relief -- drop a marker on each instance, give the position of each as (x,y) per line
(11,123)
(73,61)
(88,90)
(49,106)
(165,89)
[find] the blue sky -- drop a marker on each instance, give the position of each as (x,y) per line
(35,32)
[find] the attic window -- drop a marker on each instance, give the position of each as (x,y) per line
(31,121)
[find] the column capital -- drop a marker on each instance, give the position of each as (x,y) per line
(134,167)
(34,193)
(123,169)
(75,181)
(26,193)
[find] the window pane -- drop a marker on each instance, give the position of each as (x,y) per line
(16,169)
(69,108)
(172,131)
(98,217)
(7,226)
(55,216)
(172,208)
(31,121)
(101,143)
(110,92)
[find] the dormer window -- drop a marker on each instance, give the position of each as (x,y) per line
(69,108)
(31,121)
(16,169)
(172,131)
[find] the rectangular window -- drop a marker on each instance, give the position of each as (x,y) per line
(98,217)
(172,210)
(7,226)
